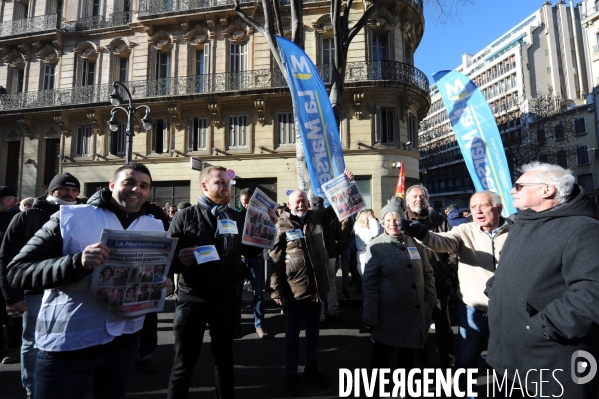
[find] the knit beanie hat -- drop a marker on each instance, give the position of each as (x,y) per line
(64,180)
(392,207)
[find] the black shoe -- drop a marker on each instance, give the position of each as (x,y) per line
(293,385)
(312,372)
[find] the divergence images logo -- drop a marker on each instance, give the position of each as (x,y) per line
(580,366)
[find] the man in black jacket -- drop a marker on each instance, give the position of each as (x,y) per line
(63,190)
(544,300)
(417,209)
(77,334)
(9,207)
(208,260)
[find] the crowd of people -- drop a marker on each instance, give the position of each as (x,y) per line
(527,289)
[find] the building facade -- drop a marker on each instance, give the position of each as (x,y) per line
(542,55)
(214,91)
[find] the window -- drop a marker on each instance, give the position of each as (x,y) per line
(117,144)
(172,192)
(87,77)
(384,124)
(13,164)
(201,66)
(51,159)
(159,136)
(413,130)
(286,128)
(364,185)
(122,69)
(163,65)
(580,126)
(238,56)
(49,77)
(237,131)
(541,137)
(380,47)
(21,9)
(560,134)
(198,133)
(84,140)
(586,180)
(328,51)
(562,158)
(582,155)
(91,8)
(17,76)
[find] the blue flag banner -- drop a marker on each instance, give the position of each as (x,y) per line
(477,134)
(313,110)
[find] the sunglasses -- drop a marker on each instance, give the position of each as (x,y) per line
(518,186)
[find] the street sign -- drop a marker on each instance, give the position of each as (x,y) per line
(230,174)
(288,192)
(195,163)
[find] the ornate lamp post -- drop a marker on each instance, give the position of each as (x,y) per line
(113,123)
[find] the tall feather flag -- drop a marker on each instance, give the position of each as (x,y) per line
(400,189)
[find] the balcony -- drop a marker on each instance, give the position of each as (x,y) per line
(208,84)
(97,22)
(28,25)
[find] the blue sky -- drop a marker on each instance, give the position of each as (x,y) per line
(474,26)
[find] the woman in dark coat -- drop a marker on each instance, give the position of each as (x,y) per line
(399,294)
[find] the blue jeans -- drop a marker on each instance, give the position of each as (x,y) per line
(296,312)
(254,271)
(472,338)
(63,377)
(28,350)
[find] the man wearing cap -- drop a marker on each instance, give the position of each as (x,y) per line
(77,334)
(63,190)
(9,207)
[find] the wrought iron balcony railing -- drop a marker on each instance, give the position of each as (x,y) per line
(28,25)
(206,84)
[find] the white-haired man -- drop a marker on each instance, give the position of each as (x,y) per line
(544,297)
(478,245)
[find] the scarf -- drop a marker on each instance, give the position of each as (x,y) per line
(58,201)
(224,241)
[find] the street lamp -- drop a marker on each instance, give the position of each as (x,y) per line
(113,123)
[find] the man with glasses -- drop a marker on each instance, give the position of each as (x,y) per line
(544,298)
(477,244)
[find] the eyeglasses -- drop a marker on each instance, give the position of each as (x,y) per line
(518,186)
(484,206)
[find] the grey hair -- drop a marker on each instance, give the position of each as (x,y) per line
(298,191)
(419,187)
(554,175)
(495,198)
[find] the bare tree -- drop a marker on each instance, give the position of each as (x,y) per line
(543,131)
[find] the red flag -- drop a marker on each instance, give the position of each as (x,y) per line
(400,189)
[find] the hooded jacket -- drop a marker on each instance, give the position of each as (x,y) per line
(544,300)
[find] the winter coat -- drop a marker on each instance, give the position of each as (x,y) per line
(22,227)
(478,255)
(363,238)
(301,264)
(212,280)
(399,293)
(443,263)
(544,299)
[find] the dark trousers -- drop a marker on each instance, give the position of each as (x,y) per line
(14,328)
(189,326)
(148,340)
(443,333)
(381,358)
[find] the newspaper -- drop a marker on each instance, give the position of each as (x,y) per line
(344,196)
(130,281)
(259,229)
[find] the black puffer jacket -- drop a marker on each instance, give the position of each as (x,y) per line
(41,265)
(22,227)
(211,280)
(544,302)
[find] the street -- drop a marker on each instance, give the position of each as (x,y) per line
(259,363)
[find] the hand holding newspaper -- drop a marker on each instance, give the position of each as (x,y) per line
(259,229)
(133,279)
(344,196)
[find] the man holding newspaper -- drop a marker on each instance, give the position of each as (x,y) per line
(78,334)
